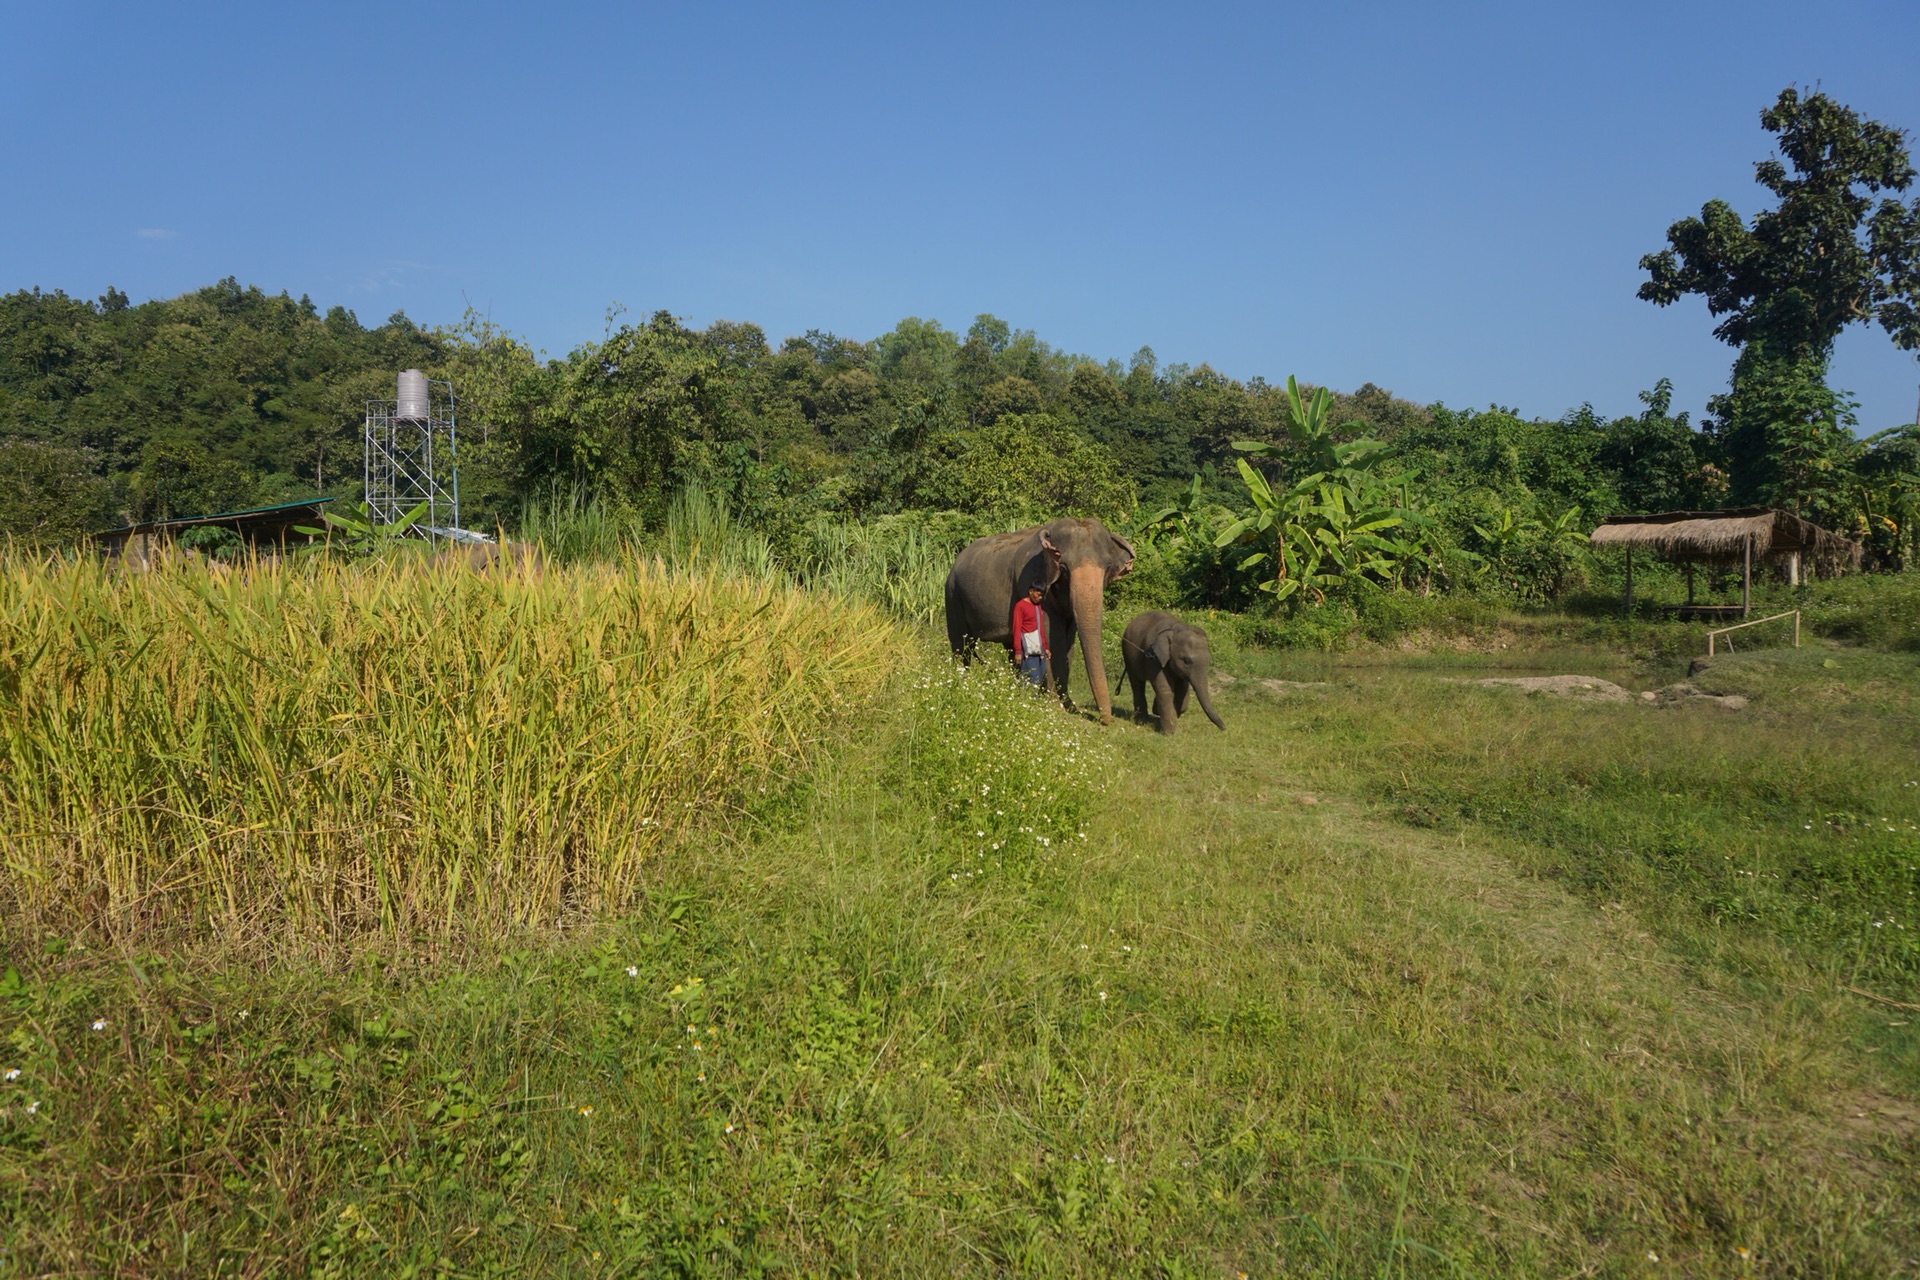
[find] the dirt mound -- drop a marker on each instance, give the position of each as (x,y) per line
(1594,689)
(1685,692)
(1583,688)
(1295,686)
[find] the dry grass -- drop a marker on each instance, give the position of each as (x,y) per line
(318,753)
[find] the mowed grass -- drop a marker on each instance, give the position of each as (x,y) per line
(1260,1019)
(1794,822)
(303,757)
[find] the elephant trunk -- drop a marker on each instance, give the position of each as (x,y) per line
(1206,703)
(1088,583)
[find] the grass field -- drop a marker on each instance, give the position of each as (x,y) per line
(1396,977)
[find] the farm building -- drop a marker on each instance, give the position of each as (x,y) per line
(1742,536)
(265,530)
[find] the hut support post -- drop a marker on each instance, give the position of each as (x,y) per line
(1629,577)
(1746,577)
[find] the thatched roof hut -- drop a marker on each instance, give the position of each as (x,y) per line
(1729,536)
(1739,535)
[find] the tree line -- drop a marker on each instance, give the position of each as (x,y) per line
(229,397)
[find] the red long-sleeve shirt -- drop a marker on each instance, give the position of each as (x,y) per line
(1027,617)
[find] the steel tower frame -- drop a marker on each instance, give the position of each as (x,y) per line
(409,461)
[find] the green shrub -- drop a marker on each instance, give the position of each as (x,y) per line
(1151,585)
(1377,617)
(1027,466)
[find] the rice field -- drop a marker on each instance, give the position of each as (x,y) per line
(300,756)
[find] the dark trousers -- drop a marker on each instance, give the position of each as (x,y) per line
(1034,668)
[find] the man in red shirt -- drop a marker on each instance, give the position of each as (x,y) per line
(1030,636)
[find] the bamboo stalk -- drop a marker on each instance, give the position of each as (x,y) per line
(1738,626)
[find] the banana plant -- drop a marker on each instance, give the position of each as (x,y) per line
(1563,533)
(1503,536)
(1183,523)
(1319,536)
(1309,426)
(1429,554)
(1342,526)
(1535,557)
(359,534)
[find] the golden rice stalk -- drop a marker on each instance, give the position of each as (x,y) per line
(319,751)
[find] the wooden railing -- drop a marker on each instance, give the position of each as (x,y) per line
(1791,613)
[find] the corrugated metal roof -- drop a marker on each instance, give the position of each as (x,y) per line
(185,522)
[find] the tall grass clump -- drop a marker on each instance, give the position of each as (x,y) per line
(573,527)
(322,751)
(899,566)
(896,562)
(700,529)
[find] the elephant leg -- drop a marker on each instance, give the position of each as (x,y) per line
(1139,683)
(1163,702)
(957,638)
(1180,687)
(1060,639)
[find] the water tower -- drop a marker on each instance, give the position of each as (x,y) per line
(412,457)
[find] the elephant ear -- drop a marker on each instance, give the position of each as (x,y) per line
(1122,564)
(1161,647)
(1051,554)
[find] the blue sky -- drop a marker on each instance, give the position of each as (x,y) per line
(1447,200)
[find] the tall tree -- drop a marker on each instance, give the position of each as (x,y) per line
(1786,285)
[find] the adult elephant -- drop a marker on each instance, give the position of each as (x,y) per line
(1073,560)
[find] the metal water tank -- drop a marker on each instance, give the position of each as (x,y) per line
(412,404)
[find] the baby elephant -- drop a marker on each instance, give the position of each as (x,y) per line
(1162,650)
